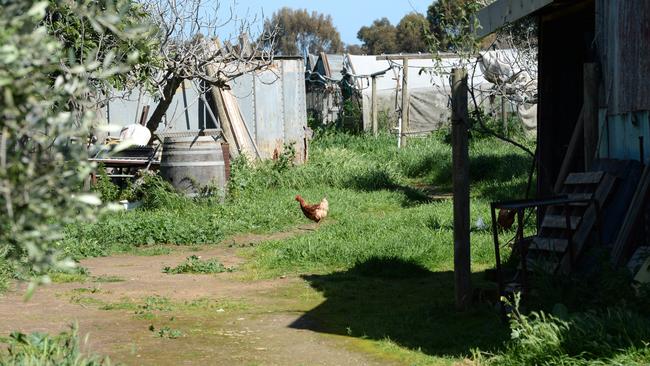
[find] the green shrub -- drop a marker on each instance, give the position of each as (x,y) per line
(38,349)
(6,273)
(595,337)
(104,187)
(194,264)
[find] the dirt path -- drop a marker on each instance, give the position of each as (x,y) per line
(140,316)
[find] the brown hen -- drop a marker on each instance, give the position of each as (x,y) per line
(506,218)
(315,212)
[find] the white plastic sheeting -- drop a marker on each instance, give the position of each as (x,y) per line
(429,87)
(511,74)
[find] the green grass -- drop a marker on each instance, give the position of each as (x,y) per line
(382,260)
(77,274)
(42,349)
(611,336)
(194,264)
(358,171)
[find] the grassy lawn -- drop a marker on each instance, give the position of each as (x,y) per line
(382,261)
(384,252)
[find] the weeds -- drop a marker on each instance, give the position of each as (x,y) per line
(6,273)
(166,332)
(586,338)
(42,349)
(194,264)
(77,274)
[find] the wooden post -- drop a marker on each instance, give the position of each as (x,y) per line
(504,115)
(590,112)
(405,101)
(460,164)
(144,115)
(375,123)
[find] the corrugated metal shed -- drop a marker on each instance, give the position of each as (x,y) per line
(614,33)
(623,39)
(272,103)
(623,36)
(330,65)
(186,112)
(501,12)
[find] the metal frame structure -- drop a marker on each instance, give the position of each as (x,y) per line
(522,242)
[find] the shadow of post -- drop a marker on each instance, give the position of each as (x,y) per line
(388,298)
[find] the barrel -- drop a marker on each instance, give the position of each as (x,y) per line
(192,163)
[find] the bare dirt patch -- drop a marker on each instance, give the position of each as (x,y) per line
(213,319)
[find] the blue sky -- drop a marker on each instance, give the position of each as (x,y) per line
(348,15)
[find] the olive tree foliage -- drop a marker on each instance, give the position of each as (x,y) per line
(82,39)
(380,37)
(44,122)
(191,46)
(300,31)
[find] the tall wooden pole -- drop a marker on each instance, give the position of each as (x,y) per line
(375,123)
(405,101)
(460,163)
(504,114)
(590,112)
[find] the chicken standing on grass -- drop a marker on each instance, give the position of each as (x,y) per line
(315,212)
(506,218)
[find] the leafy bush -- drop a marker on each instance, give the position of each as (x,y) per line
(6,272)
(194,264)
(47,88)
(42,349)
(592,337)
(104,187)
(166,332)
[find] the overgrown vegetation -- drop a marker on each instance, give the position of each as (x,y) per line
(42,349)
(383,252)
(615,336)
(363,174)
(48,88)
(194,264)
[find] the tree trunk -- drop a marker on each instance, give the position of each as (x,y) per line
(168,95)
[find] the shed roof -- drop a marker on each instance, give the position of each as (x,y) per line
(330,65)
(501,12)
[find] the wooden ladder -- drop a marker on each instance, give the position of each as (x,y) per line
(565,229)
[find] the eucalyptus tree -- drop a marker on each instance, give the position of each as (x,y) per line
(299,31)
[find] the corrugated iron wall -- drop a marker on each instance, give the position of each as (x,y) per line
(623,46)
(185,113)
(272,103)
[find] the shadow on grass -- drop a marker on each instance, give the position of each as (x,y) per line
(404,302)
(493,177)
(380,180)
